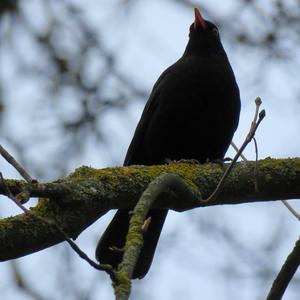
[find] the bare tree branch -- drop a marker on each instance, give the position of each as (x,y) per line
(10,159)
(286,274)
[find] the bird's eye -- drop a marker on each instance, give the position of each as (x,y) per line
(215,31)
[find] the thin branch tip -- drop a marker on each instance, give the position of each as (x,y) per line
(254,125)
(258,101)
(11,160)
(262,114)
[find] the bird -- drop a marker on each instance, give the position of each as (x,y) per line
(191,114)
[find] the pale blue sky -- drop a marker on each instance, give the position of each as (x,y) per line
(188,262)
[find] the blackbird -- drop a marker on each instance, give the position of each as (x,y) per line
(192,113)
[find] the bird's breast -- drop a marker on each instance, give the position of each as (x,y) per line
(197,108)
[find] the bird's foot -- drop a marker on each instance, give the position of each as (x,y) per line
(220,162)
(217,161)
(227,159)
(116,249)
(146,224)
(183,160)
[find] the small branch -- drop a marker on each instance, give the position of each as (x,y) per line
(101,267)
(9,158)
(286,274)
(134,240)
(254,125)
(11,196)
(235,147)
(291,209)
(285,202)
(256,169)
(21,282)
(83,255)
(44,190)
(256,115)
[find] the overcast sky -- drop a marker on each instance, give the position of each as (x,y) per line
(192,259)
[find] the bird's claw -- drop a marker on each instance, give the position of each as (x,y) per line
(227,159)
(116,249)
(183,160)
(146,224)
(217,161)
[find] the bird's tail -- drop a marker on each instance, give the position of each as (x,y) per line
(113,239)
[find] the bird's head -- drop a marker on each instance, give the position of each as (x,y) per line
(204,36)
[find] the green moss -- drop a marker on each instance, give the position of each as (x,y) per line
(121,284)
(46,207)
(135,234)
(84,172)
(268,178)
(118,176)
(275,169)
(122,176)
(23,197)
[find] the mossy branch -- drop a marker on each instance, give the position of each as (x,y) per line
(164,183)
(76,201)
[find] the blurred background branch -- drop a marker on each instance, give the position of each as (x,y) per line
(74,76)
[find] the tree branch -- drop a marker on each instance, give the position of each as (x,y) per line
(258,117)
(134,240)
(286,274)
(10,159)
(76,201)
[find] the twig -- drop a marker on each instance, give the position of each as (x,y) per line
(255,169)
(258,117)
(285,202)
(235,147)
(9,158)
(43,190)
(286,274)
(102,267)
(291,209)
(11,196)
(23,284)
(134,239)
(83,255)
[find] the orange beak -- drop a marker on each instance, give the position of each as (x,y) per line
(199,21)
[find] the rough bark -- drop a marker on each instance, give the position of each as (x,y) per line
(79,199)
